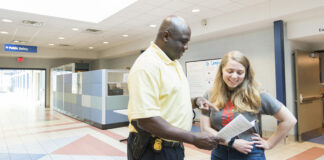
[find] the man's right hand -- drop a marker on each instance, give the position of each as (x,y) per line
(204,104)
(206,140)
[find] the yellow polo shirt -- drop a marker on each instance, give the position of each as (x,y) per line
(158,87)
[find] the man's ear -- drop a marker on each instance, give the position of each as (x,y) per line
(165,36)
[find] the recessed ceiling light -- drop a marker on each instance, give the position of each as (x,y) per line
(75,29)
(51,44)
(125,35)
(195,10)
(90,47)
(153,25)
(6,20)
(18,41)
(105,42)
(60,37)
(93,11)
(4,32)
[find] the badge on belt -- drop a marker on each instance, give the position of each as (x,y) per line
(157,146)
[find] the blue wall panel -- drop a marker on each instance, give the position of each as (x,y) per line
(68,83)
(96,115)
(78,109)
(113,117)
(67,107)
(59,83)
(86,113)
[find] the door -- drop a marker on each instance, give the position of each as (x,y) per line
(309,102)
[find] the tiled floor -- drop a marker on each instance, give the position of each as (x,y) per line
(36,134)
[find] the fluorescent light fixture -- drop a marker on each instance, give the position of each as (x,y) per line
(195,10)
(105,42)
(51,44)
(93,11)
(125,35)
(153,25)
(6,20)
(3,32)
(60,37)
(75,29)
(90,47)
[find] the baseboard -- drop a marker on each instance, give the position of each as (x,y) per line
(311,134)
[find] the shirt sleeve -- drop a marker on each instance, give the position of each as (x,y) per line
(143,95)
(269,104)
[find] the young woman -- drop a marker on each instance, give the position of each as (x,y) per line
(236,92)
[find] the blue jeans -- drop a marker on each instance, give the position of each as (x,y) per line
(225,153)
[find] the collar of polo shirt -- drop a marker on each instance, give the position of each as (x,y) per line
(162,55)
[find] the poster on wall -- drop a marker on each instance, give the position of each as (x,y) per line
(201,75)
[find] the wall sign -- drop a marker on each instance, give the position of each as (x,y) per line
(19,48)
(201,75)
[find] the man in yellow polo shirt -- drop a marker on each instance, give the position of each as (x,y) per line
(160,108)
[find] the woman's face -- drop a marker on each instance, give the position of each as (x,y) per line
(233,74)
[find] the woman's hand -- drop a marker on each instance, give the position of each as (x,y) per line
(243,146)
(260,142)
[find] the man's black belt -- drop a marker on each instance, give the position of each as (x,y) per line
(167,143)
(172,144)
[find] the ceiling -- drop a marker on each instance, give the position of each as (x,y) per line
(133,21)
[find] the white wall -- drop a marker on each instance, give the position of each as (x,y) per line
(115,63)
(39,63)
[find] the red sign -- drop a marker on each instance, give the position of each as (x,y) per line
(20,59)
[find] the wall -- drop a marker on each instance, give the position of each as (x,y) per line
(115,63)
(39,63)
(257,46)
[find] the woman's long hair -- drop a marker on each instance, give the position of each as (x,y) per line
(246,96)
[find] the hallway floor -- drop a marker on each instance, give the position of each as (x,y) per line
(38,134)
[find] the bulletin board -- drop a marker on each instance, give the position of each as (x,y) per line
(201,75)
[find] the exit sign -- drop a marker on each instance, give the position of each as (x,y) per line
(20,59)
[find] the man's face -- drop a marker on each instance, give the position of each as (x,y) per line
(178,43)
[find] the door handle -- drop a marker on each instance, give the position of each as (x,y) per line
(308,98)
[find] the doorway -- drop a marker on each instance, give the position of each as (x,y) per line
(309,103)
(22,88)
